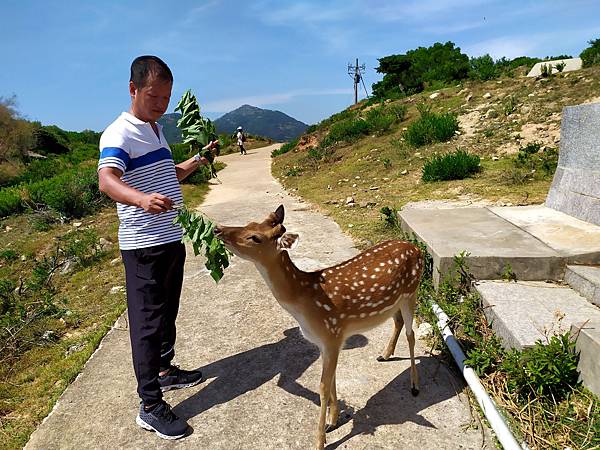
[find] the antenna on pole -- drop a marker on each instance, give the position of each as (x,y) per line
(355,71)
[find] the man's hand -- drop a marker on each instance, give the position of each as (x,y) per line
(156,203)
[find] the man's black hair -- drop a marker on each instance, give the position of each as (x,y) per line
(144,66)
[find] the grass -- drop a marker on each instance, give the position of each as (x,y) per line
(30,385)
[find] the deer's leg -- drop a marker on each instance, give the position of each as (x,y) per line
(334,408)
(408,310)
(389,350)
(330,358)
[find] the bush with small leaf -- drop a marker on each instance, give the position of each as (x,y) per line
(285,148)
(451,166)
(431,127)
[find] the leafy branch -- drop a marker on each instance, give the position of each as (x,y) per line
(196,130)
(199,230)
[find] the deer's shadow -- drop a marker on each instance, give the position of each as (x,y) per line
(394,404)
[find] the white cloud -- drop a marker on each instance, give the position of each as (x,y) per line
(511,47)
(228,104)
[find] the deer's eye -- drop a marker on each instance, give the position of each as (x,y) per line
(254,238)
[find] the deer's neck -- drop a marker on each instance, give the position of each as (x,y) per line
(284,278)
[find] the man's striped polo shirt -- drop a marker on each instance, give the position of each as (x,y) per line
(131,145)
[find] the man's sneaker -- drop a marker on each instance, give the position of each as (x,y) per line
(177,378)
(162,420)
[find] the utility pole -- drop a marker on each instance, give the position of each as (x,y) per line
(355,71)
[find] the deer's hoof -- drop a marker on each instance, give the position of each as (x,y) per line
(414,391)
(382,359)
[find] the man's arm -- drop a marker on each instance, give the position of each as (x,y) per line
(109,180)
(185,168)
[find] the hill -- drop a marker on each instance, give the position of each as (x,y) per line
(262,122)
(170,130)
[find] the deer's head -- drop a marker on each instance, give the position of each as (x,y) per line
(258,242)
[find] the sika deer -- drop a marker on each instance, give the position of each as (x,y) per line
(334,303)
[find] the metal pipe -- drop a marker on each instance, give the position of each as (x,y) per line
(487,405)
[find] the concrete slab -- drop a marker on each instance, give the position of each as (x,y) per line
(588,346)
(586,281)
(574,239)
(262,376)
(575,188)
(522,313)
(491,241)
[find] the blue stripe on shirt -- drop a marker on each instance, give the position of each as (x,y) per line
(150,158)
(115,152)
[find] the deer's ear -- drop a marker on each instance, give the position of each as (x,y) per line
(278,215)
(288,241)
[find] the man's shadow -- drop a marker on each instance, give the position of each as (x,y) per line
(394,404)
(237,374)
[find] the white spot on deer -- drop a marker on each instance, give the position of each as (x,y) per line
(294,276)
(342,315)
(363,315)
(382,264)
(373,276)
(333,320)
(377,269)
(372,313)
(368,254)
(327,307)
(414,272)
(368,297)
(372,289)
(315,286)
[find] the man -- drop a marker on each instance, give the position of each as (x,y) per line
(136,169)
(240,140)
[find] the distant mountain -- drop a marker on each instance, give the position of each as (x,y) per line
(170,130)
(262,122)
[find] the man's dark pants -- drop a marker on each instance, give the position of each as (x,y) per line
(154,276)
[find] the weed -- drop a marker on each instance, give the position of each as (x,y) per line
(294,172)
(8,255)
(451,166)
(509,104)
(508,274)
(560,66)
(82,246)
(401,147)
(387,163)
(390,217)
(545,370)
(431,127)
(284,148)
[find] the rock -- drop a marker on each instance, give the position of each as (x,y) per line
(7,229)
(468,98)
(462,91)
(349,200)
(115,261)
(385,179)
(531,95)
(424,330)
(374,188)
(357,177)
(354,185)
(23,257)
(525,109)
(104,242)
(48,335)
(350,225)
(404,172)
(434,95)
(117,289)
(77,224)
(487,95)
(495,158)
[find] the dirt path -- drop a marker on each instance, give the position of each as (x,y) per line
(262,376)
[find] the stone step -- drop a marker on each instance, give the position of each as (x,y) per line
(537,242)
(586,281)
(524,312)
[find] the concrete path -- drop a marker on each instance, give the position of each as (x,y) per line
(262,376)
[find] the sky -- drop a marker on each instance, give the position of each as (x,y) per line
(67,62)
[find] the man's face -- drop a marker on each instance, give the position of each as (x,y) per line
(150,102)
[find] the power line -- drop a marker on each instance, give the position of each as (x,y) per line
(355,71)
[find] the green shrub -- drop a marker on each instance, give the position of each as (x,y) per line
(544,370)
(289,146)
(347,130)
(533,158)
(591,55)
(379,120)
(485,357)
(10,201)
(398,111)
(431,127)
(83,246)
(390,217)
(73,193)
(451,166)
(483,68)
(8,255)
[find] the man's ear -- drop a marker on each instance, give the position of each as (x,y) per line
(288,241)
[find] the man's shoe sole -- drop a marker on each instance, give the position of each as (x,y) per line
(180,386)
(147,426)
